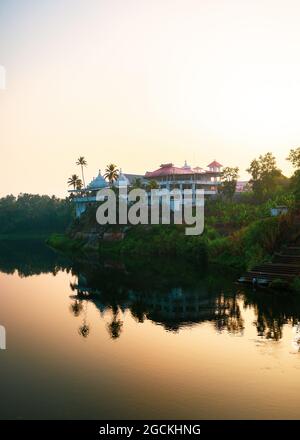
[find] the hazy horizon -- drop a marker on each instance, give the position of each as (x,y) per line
(140,83)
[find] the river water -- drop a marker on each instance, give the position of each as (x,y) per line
(141,339)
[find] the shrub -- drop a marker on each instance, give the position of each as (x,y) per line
(296,285)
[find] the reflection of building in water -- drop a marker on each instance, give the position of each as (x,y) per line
(177,309)
(173,309)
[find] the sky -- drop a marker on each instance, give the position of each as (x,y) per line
(144,82)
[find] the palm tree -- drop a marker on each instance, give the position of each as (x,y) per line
(111,173)
(73,181)
(137,183)
(83,163)
(79,184)
(152,184)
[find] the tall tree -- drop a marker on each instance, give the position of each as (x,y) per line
(111,173)
(294,158)
(83,163)
(229,178)
(266,176)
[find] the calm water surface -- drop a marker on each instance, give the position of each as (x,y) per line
(141,339)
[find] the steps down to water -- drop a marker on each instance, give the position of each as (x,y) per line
(285,266)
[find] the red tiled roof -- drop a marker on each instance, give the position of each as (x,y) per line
(198,170)
(214,164)
(166,170)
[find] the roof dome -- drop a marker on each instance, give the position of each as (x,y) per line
(98,182)
(122,180)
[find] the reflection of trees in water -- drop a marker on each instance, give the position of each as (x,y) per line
(170,293)
(273,311)
(153,296)
(76,307)
(269,328)
(84,329)
(228,314)
(195,299)
(115,326)
(30,257)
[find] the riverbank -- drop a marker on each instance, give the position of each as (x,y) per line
(245,247)
(139,240)
(23,236)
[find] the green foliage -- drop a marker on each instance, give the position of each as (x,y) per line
(158,240)
(137,183)
(294,157)
(229,178)
(82,163)
(152,184)
(295,186)
(75,182)
(111,173)
(279,284)
(249,246)
(296,285)
(30,213)
(64,243)
(266,177)
(227,217)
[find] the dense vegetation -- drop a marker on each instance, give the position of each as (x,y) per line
(236,234)
(239,230)
(30,214)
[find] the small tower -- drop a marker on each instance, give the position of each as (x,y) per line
(186,166)
(215,167)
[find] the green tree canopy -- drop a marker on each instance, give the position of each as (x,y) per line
(294,158)
(34,214)
(266,176)
(229,178)
(111,173)
(75,182)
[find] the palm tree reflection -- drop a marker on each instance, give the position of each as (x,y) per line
(76,307)
(165,299)
(115,326)
(84,329)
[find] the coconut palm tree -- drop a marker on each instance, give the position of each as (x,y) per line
(79,184)
(152,184)
(137,183)
(83,163)
(73,181)
(111,173)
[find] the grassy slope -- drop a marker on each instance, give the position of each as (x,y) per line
(250,245)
